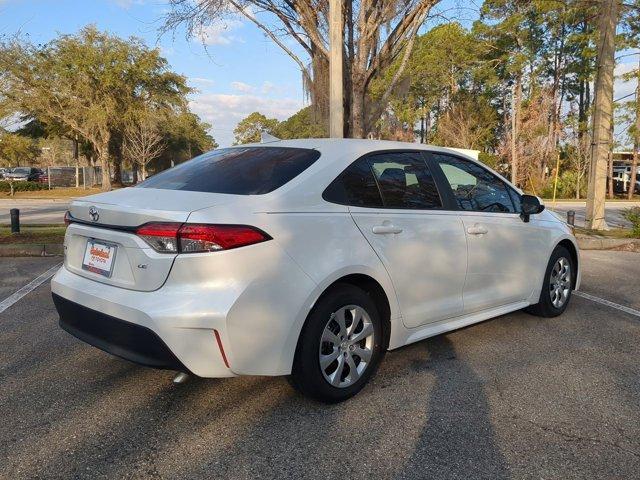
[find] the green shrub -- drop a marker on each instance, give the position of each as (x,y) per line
(633,215)
(21,186)
(566,186)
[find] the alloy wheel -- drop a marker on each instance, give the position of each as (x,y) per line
(346,346)
(560,282)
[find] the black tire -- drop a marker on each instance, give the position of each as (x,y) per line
(545,307)
(307,375)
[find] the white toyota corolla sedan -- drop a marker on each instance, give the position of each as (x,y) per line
(307,258)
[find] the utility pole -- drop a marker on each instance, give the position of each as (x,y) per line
(336,102)
(602,138)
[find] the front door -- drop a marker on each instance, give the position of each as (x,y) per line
(504,253)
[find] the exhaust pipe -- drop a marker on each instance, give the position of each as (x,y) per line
(180,378)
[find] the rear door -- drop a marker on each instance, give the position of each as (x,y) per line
(395,203)
(505,254)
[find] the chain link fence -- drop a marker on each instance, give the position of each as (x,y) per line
(81,177)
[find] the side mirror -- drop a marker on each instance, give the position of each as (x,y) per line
(530,206)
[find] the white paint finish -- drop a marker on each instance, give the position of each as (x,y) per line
(602,301)
(258,297)
(28,288)
(131,252)
(427,260)
(503,263)
(462,321)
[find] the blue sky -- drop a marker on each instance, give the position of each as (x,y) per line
(238,71)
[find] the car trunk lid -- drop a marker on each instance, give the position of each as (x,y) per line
(106,224)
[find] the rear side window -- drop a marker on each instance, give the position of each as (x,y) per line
(355,186)
(405,181)
(237,171)
(391,180)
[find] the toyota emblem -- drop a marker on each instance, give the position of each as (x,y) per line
(93,213)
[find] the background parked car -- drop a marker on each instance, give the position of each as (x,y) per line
(24,174)
(621,182)
(3,172)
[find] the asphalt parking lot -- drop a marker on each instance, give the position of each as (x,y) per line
(513,397)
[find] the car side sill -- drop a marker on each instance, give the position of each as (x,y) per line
(443,326)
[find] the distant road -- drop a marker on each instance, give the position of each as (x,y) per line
(52,211)
(613,211)
(34,211)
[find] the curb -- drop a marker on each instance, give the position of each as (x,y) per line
(594,243)
(31,250)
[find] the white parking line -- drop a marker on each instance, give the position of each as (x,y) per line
(602,301)
(29,287)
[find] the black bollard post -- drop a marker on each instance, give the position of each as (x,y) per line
(15,220)
(571,217)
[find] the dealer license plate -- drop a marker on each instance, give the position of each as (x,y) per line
(99,257)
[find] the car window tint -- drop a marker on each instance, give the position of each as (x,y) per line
(404,181)
(239,171)
(355,186)
(475,188)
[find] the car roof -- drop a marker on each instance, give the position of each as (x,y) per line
(340,152)
(343,150)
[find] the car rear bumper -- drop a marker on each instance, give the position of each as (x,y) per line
(156,329)
(220,315)
(123,339)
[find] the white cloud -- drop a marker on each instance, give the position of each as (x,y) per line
(127,4)
(242,87)
(620,87)
(202,81)
(267,88)
(219,32)
(224,111)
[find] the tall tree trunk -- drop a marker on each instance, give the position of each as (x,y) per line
(117,171)
(610,193)
(515,109)
(347,67)
(636,141)
(427,126)
(102,151)
(602,116)
(115,151)
(358,128)
(103,157)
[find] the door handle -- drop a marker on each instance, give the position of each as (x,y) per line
(477,230)
(386,229)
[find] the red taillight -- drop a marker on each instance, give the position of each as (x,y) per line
(162,237)
(196,238)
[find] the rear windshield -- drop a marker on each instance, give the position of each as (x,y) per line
(237,171)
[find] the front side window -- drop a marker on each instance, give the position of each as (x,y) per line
(237,171)
(388,180)
(474,188)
